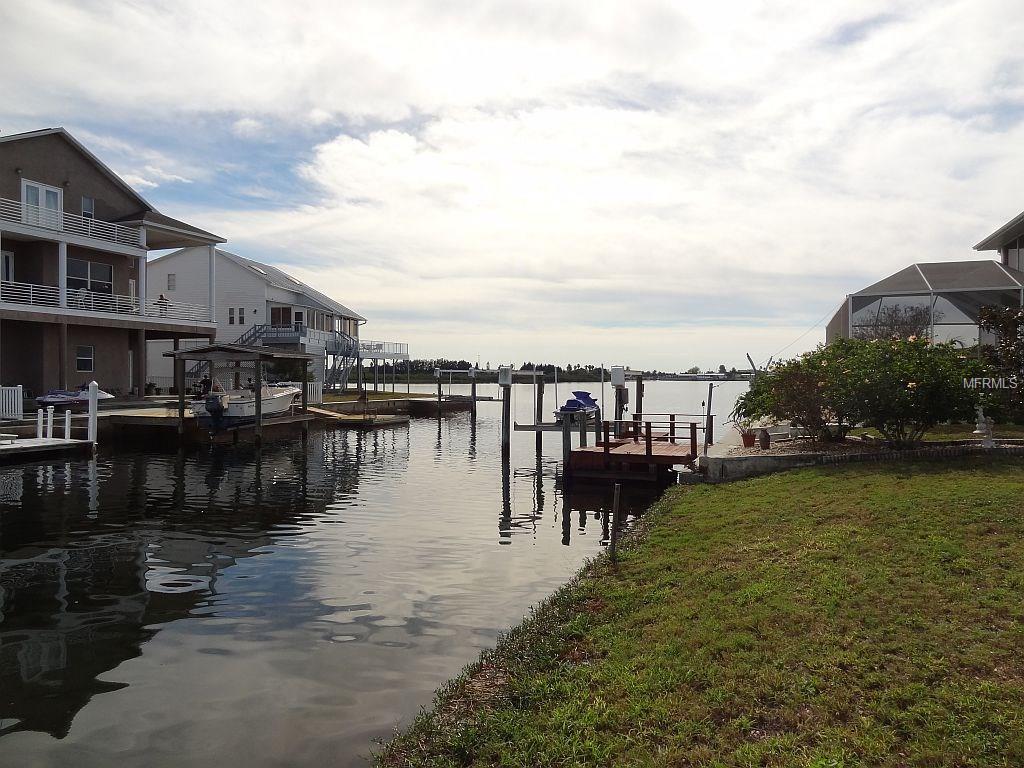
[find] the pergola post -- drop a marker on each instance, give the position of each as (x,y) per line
(258,394)
(179,378)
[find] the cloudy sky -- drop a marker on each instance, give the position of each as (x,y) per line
(640,182)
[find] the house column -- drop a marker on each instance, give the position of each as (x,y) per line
(141,287)
(62,354)
(140,361)
(62,272)
(213,282)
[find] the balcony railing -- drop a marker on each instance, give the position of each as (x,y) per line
(106,303)
(47,218)
(384,349)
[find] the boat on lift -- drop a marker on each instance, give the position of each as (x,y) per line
(580,406)
(222,408)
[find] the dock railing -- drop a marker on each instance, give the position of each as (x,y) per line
(650,428)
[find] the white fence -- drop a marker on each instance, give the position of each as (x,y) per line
(314,393)
(12,402)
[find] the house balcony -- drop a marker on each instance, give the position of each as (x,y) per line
(33,219)
(331,342)
(383,350)
(81,302)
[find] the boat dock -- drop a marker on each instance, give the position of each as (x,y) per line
(358,420)
(27,448)
(637,449)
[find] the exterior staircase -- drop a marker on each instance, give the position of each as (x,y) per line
(340,350)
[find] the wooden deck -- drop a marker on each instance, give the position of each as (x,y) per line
(638,452)
(359,420)
(28,448)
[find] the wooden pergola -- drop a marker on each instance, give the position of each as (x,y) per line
(224,354)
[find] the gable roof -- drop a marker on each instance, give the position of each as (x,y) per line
(938,276)
(1011,230)
(281,279)
(278,278)
(100,165)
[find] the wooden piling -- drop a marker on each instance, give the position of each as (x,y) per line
(179,376)
(566,444)
(538,411)
(614,544)
(258,392)
(583,430)
(506,419)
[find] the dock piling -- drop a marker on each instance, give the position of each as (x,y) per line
(67,425)
(39,423)
(538,409)
(583,430)
(49,421)
(614,545)
(258,399)
(94,390)
(566,443)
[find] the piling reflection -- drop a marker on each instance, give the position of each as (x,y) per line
(80,593)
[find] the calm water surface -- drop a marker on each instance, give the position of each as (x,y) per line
(162,608)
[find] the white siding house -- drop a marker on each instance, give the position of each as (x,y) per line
(255,304)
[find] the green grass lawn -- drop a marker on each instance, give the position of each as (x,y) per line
(825,618)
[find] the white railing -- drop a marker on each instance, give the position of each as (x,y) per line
(29,293)
(383,349)
(176,310)
(12,402)
(108,303)
(314,392)
(47,218)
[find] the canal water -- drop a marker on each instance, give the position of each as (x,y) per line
(283,608)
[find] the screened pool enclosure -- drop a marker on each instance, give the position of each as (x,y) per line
(940,300)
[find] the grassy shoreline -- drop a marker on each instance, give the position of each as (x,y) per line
(827,617)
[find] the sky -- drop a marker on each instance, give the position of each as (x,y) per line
(653,184)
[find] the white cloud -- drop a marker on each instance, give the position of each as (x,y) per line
(643,181)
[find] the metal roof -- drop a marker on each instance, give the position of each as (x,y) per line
(943,276)
(281,279)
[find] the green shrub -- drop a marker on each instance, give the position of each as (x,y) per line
(902,388)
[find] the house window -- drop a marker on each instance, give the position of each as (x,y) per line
(88,208)
(280,316)
(91,276)
(241,315)
(231,315)
(172,281)
(43,204)
(85,357)
(298,318)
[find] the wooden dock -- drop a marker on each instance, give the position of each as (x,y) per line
(359,420)
(634,450)
(28,448)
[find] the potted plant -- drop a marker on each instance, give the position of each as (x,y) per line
(747,430)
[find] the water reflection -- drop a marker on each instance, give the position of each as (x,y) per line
(151,600)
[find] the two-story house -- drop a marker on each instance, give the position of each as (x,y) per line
(74,239)
(257,304)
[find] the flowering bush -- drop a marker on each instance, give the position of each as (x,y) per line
(902,388)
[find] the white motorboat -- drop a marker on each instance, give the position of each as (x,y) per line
(222,408)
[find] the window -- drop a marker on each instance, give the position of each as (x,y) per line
(298,317)
(43,204)
(241,315)
(172,281)
(231,315)
(6,265)
(280,316)
(85,359)
(91,276)
(88,208)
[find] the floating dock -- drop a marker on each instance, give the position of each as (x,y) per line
(358,420)
(27,448)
